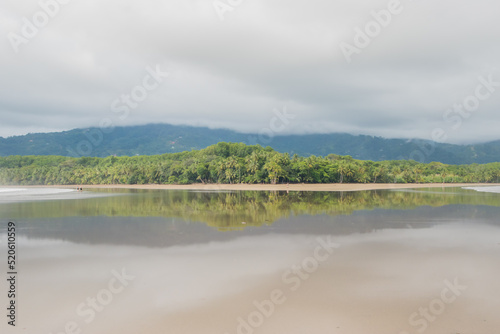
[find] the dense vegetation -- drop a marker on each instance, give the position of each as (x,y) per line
(163,138)
(233,163)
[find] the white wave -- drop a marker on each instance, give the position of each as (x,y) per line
(45,194)
(10,195)
(34,191)
(7,190)
(486,189)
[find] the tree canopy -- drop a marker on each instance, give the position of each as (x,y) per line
(233,163)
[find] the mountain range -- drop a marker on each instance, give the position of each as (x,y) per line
(165,138)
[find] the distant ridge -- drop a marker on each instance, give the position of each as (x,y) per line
(165,138)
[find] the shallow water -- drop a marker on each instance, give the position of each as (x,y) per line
(246,262)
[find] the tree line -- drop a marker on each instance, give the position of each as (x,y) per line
(233,163)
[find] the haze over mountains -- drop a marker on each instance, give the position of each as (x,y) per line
(164,138)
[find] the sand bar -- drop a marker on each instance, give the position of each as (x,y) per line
(273,187)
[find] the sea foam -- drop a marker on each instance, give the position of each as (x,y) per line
(487,189)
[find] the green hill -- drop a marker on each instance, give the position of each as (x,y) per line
(164,138)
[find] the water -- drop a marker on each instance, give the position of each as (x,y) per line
(139,261)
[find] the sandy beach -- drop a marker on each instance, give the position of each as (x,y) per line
(372,283)
(417,274)
(271,187)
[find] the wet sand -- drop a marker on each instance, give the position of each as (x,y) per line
(435,279)
(371,283)
(275,187)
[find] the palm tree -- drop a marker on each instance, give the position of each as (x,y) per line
(417,170)
(396,171)
(341,169)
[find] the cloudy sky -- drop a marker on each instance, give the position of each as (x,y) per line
(390,68)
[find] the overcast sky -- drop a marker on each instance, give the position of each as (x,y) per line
(230,63)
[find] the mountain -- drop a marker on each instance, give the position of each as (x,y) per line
(164,138)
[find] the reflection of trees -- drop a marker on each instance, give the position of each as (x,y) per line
(228,210)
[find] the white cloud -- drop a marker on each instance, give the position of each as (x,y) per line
(264,55)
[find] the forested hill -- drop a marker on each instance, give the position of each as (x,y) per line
(233,163)
(164,138)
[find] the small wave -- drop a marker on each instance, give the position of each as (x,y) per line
(8,190)
(33,191)
(490,189)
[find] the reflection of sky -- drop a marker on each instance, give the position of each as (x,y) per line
(389,273)
(193,278)
(168,232)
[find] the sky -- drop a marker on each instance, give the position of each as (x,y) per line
(397,69)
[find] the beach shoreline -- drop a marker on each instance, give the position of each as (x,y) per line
(268,187)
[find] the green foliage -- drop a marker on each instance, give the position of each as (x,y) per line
(232,163)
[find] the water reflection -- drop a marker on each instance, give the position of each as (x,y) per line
(197,269)
(168,218)
(370,284)
(230,209)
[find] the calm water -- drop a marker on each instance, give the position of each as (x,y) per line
(137,261)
